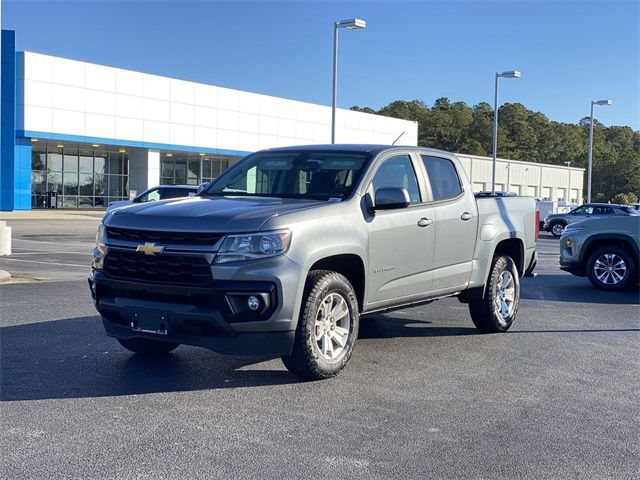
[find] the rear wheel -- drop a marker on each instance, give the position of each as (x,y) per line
(147,346)
(327,328)
(557,229)
(497,310)
(610,268)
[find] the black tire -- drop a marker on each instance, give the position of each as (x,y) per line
(484,313)
(307,359)
(611,256)
(147,346)
(557,229)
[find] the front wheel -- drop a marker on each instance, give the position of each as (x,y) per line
(557,229)
(610,268)
(327,328)
(497,310)
(147,346)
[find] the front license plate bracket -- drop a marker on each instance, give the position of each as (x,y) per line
(149,321)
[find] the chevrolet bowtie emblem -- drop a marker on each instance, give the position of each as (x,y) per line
(150,249)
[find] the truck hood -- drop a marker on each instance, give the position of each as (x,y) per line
(206,214)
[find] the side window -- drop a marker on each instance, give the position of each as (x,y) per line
(397,172)
(587,211)
(443,177)
(150,196)
(173,193)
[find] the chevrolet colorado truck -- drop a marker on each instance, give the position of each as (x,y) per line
(286,250)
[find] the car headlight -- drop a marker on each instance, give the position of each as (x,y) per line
(99,250)
(248,246)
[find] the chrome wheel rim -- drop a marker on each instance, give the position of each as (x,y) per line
(610,269)
(505,296)
(557,229)
(332,326)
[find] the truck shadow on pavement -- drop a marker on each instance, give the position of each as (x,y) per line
(73,358)
(567,288)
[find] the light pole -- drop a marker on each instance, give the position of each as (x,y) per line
(351,24)
(593,102)
(509,74)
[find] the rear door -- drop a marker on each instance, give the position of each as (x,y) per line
(401,241)
(456,221)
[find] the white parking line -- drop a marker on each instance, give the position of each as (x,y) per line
(31,251)
(45,263)
(53,243)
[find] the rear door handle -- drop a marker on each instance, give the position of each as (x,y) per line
(466,216)
(424,222)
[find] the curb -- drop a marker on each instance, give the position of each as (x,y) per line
(4,276)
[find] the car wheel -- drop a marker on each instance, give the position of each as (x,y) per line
(557,229)
(611,268)
(497,310)
(327,328)
(147,346)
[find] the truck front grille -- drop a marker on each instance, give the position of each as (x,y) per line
(178,269)
(164,238)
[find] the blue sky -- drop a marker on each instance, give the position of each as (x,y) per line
(569,52)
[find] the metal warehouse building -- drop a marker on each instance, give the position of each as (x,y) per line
(86,134)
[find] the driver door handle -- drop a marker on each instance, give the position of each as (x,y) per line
(424,222)
(466,216)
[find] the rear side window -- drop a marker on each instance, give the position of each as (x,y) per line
(443,177)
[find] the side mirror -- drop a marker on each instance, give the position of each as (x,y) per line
(391,198)
(136,200)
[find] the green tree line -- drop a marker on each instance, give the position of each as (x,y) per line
(527,135)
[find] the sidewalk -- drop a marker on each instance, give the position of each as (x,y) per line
(52,214)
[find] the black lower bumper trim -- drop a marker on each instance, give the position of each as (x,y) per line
(258,343)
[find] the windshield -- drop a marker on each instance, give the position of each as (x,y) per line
(318,175)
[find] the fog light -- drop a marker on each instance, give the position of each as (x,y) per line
(253,303)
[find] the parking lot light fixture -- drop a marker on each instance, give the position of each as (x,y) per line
(507,74)
(604,103)
(350,24)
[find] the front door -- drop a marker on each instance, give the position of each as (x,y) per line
(401,241)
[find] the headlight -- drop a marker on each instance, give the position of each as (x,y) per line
(99,251)
(236,248)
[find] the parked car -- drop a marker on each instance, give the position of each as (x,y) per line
(162,192)
(556,223)
(285,250)
(605,249)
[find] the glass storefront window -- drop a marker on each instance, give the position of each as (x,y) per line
(54,161)
(85,184)
(86,163)
(70,161)
(100,160)
(78,177)
(70,183)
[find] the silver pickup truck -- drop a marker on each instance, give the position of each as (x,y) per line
(286,251)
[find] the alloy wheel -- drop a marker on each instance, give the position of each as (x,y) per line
(332,326)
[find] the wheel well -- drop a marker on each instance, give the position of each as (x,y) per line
(513,248)
(349,265)
(604,242)
(558,220)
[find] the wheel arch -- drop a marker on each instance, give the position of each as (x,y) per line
(351,266)
(602,240)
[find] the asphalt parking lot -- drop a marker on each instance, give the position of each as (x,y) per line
(425,396)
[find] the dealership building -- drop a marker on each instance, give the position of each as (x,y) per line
(77,134)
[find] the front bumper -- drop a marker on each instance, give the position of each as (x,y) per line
(573,267)
(209,315)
